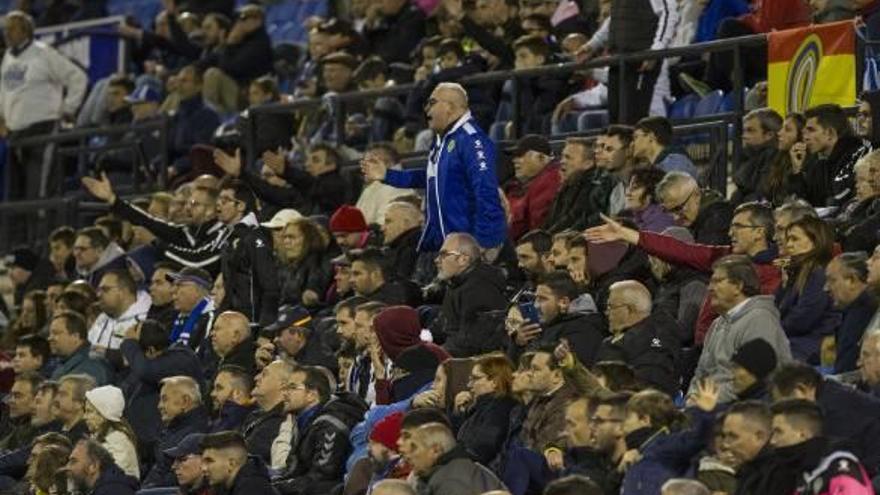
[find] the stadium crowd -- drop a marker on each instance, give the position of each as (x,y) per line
(591,319)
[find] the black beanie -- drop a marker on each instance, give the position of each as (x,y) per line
(757,357)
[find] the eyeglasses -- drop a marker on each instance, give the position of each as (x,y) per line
(677,210)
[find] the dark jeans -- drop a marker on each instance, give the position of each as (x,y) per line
(30,167)
(636,89)
(526,471)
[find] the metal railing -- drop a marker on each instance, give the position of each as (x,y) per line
(719,125)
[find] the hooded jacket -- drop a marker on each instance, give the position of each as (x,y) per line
(462,320)
(108,331)
(651,347)
(758,318)
(249,272)
(455,474)
(112,481)
(112,258)
(584,331)
(461,187)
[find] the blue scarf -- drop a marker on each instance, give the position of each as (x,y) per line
(182,329)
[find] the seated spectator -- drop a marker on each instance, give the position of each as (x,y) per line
(777,186)
(582,457)
(245,56)
(96,255)
(398,337)
(393,28)
(807,311)
(868,378)
(317,459)
(103,416)
(303,276)
(574,485)
(45,472)
(21,427)
(195,309)
(614,154)
(193,123)
(371,278)
(647,342)
(122,305)
(760,148)
(188,468)
(401,231)
(848,415)
(744,316)
(869,104)
(482,413)
(383,450)
(69,405)
(858,220)
(180,405)
(385,113)
(226,464)
(440,465)
(91,469)
(68,339)
(474,289)
(32,319)
(43,417)
(745,440)
(822,165)
(261,427)
(533,254)
(61,242)
(585,192)
(583,327)
(641,201)
(652,143)
(162,294)
(349,229)
(295,336)
(846,281)
(32,354)
(596,267)
(705,212)
(361,379)
(28,273)
(231,398)
(232,342)
(537,181)
(680,289)
(151,359)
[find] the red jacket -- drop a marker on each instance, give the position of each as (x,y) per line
(770,15)
(530,202)
(701,257)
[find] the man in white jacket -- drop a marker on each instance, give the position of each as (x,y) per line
(39,87)
(123,307)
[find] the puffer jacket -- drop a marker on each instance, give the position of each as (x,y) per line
(758,318)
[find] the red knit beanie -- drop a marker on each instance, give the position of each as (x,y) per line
(348,219)
(387,431)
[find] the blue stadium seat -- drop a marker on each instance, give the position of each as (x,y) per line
(683,108)
(592,119)
(709,104)
(727,103)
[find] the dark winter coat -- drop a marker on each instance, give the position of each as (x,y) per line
(113,481)
(651,347)
(462,320)
(250,273)
(580,201)
(848,337)
(829,181)
(309,195)
(194,123)
(456,474)
(584,333)
(756,164)
(252,478)
(308,274)
(246,60)
(807,315)
(402,255)
(193,421)
(397,35)
(853,416)
(713,220)
(260,429)
(483,428)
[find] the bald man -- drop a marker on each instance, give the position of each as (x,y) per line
(647,342)
(401,230)
(460,179)
(232,342)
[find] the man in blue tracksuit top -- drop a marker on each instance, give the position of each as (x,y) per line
(460,180)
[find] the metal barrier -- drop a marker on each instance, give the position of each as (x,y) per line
(719,126)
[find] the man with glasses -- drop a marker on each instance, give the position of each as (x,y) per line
(195,309)
(647,342)
(122,306)
(607,413)
(474,288)
(460,179)
(751,232)
(704,211)
(196,244)
(745,315)
(582,455)
(95,255)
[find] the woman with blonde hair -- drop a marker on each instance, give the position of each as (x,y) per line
(103,416)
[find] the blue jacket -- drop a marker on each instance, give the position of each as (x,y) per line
(808,315)
(462,187)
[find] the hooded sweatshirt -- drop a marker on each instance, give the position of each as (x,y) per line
(108,331)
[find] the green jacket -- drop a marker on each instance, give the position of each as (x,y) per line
(81,363)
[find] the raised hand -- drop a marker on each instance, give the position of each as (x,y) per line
(275,160)
(706,396)
(797,154)
(526,333)
(463,401)
(373,168)
(231,165)
(100,188)
(611,231)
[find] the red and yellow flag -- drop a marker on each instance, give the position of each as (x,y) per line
(811,65)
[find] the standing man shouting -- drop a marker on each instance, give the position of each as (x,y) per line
(460,179)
